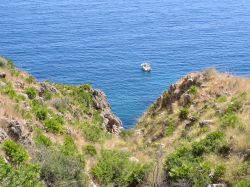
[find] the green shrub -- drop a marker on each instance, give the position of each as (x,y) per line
(221,99)
(219,172)
(90,150)
(69,146)
(40,111)
(47,95)
(31,92)
(92,133)
(27,175)
(169,131)
(11,93)
(116,169)
(41,139)
(16,152)
(30,79)
(183,165)
(242,183)
(236,103)
(193,90)
(59,169)
(86,87)
(230,119)
(54,124)
(10,64)
(97,119)
(184,113)
(83,96)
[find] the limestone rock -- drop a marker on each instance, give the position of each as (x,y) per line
(2,75)
(204,123)
(47,87)
(111,122)
(3,135)
(15,129)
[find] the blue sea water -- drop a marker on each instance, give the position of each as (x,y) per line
(103,42)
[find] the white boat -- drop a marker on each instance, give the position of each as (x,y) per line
(146,67)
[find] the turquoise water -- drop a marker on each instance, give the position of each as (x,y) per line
(104,42)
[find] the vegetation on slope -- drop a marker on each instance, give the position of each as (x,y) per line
(196,134)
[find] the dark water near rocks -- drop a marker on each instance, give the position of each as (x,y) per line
(104,42)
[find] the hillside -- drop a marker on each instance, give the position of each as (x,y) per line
(197,133)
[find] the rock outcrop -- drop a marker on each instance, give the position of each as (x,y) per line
(111,122)
(15,129)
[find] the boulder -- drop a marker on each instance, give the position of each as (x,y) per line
(3,135)
(19,84)
(2,75)
(111,122)
(15,129)
(217,185)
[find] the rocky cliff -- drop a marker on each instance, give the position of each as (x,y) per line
(195,134)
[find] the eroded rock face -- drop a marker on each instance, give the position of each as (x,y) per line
(3,135)
(111,122)
(178,92)
(47,87)
(15,129)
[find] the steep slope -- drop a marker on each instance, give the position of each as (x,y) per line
(201,127)
(55,134)
(196,134)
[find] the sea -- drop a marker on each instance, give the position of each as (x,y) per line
(103,42)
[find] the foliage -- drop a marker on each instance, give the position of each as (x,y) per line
(9,90)
(187,162)
(40,111)
(115,168)
(92,133)
(90,150)
(230,119)
(27,175)
(193,90)
(59,169)
(218,172)
(30,79)
(170,128)
(31,92)
(54,124)
(47,95)
(83,96)
(16,152)
(41,139)
(183,113)
(221,99)
(242,183)
(86,87)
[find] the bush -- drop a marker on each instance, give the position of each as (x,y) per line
(40,111)
(47,95)
(183,113)
(16,152)
(170,128)
(116,169)
(9,90)
(90,150)
(31,92)
(27,175)
(59,169)
(193,90)
(183,165)
(218,173)
(86,87)
(242,183)
(30,79)
(54,124)
(92,133)
(41,139)
(83,96)
(230,119)
(221,99)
